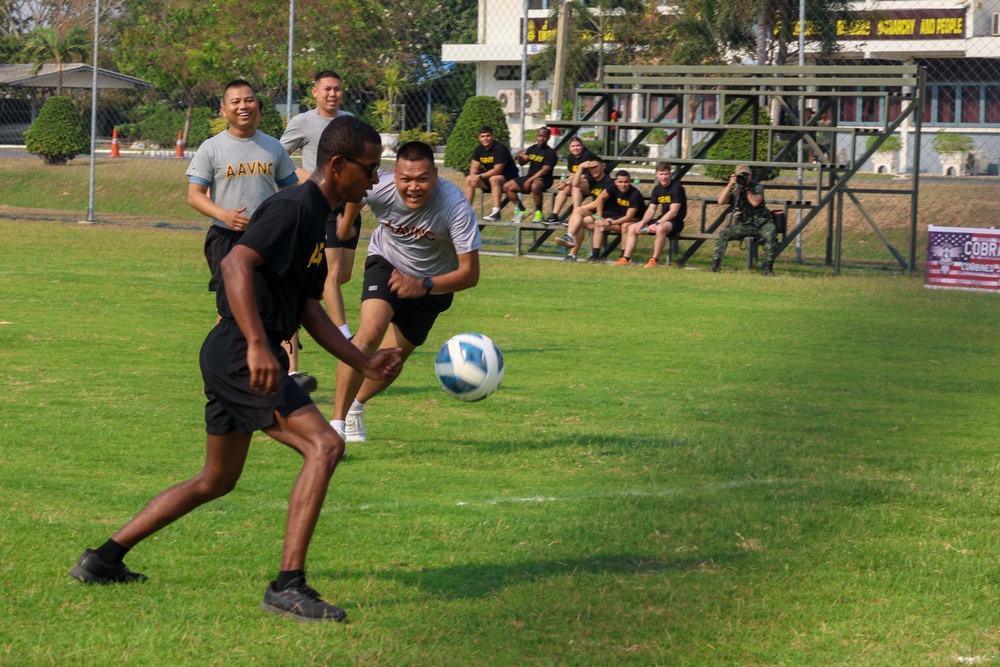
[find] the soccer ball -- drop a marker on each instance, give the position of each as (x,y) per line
(469,367)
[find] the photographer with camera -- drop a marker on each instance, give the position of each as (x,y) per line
(749,218)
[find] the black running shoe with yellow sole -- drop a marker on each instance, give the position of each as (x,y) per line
(300,602)
(90,569)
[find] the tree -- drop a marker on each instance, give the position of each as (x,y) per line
(478,111)
(43,44)
(58,134)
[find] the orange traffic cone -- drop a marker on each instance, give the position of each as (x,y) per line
(114,143)
(180,144)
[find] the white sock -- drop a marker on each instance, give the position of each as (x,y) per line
(346,330)
(338,425)
(357,407)
(495,210)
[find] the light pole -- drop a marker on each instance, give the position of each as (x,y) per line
(93,114)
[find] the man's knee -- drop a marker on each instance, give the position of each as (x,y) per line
(328,449)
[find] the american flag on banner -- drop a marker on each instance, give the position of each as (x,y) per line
(963,259)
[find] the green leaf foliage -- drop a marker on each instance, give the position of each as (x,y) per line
(892,143)
(736,145)
(478,111)
(159,124)
(58,134)
(271,121)
(946,142)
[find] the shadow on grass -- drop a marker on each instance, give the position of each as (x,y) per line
(480,580)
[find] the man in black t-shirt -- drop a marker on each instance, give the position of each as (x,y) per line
(272,281)
(592,180)
(541,161)
(617,207)
(664,217)
(578,154)
(492,165)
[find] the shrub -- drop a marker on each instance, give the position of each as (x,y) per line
(944,142)
(159,124)
(271,122)
(596,146)
(417,134)
(58,134)
(657,136)
(735,146)
(892,143)
(478,111)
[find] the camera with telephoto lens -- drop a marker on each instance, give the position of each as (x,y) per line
(742,178)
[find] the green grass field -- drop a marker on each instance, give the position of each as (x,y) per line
(681,468)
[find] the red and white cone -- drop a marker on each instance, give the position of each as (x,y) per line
(114,143)
(180,144)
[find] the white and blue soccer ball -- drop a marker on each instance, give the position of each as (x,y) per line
(469,367)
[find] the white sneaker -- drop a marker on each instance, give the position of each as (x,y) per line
(354,430)
(338,430)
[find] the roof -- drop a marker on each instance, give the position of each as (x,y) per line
(74,75)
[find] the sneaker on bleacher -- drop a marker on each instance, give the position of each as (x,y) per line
(537,217)
(494,216)
(566,241)
(553,219)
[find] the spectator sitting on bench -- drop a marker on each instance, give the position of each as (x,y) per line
(542,161)
(590,179)
(669,197)
(749,219)
(578,154)
(617,209)
(492,165)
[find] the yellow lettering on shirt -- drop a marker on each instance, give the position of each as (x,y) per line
(317,255)
(256,168)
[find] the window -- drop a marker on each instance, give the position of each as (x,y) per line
(848,108)
(992,100)
(970,104)
(945,105)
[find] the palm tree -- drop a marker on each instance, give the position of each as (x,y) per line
(43,45)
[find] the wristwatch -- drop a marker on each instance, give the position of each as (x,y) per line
(428,284)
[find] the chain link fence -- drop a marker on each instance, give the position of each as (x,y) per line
(409,67)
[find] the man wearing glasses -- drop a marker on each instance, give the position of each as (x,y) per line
(423,250)
(272,281)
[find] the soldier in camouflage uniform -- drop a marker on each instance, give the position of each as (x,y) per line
(752,218)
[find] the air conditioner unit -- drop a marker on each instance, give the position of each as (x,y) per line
(510,100)
(995,30)
(534,101)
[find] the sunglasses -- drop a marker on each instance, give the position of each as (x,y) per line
(372,169)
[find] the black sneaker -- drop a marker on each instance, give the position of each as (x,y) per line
(90,569)
(553,219)
(300,602)
(306,381)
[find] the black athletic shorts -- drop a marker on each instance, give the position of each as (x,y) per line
(218,242)
(331,231)
(546,183)
(232,404)
(677,226)
(414,317)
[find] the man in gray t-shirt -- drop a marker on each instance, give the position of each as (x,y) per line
(303,133)
(228,178)
(234,171)
(425,248)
